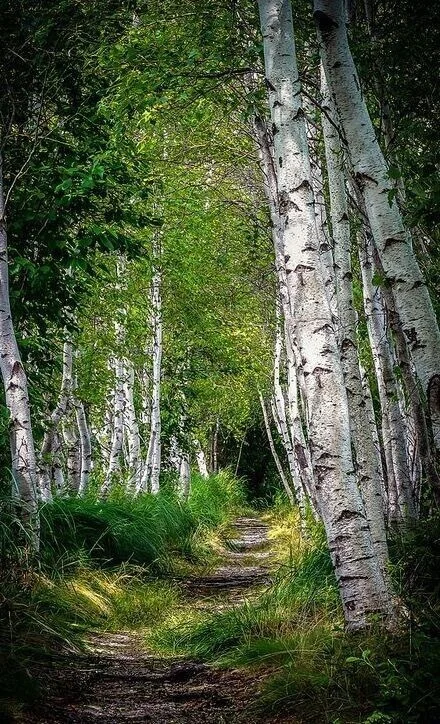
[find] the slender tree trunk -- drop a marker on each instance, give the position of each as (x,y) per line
(23,460)
(73,450)
(275,456)
(215,446)
(184,476)
(392,240)
(301,451)
(150,477)
(394,432)
(358,571)
(85,447)
(280,419)
(114,463)
(368,463)
(49,446)
(201,459)
(131,428)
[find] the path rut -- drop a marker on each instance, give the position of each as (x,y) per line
(119,681)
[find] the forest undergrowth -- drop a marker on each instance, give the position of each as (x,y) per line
(115,565)
(105,566)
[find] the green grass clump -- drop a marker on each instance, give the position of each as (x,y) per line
(150,530)
(216,500)
(299,597)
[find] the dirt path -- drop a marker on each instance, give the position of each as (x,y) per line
(121,682)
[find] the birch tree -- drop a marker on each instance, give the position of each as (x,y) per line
(23,460)
(392,239)
(366,452)
(150,476)
(358,571)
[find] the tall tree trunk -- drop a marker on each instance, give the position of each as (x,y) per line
(73,451)
(367,459)
(392,240)
(51,440)
(23,460)
(394,432)
(201,459)
(85,447)
(150,477)
(358,571)
(114,462)
(275,456)
(131,428)
(301,451)
(280,419)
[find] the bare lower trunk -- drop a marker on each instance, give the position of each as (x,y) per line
(85,447)
(366,452)
(51,437)
(201,459)
(280,419)
(302,462)
(131,428)
(394,432)
(114,463)
(150,477)
(361,582)
(275,456)
(73,451)
(184,476)
(23,460)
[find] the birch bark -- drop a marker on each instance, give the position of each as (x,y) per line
(280,419)
(400,499)
(201,459)
(23,460)
(368,463)
(85,447)
(114,463)
(270,184)
(392,240)
(150,477)
(131,427)
(51,441)
(275,456)
(358,571)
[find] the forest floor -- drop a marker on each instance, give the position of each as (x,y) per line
(120,680)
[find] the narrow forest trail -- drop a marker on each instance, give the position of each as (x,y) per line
(120,681)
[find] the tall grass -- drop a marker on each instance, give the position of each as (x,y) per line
(150,530)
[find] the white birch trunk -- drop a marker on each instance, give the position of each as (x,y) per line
(85,447)
(358,571)
(47,453)
(394,432)
(184,476)
(280,419)
(201,459)
(392,240)
(131,428)
(301,452)
(275,456)
(114,463)
(73,451)
(150,477)
(23,460)
(368,463)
